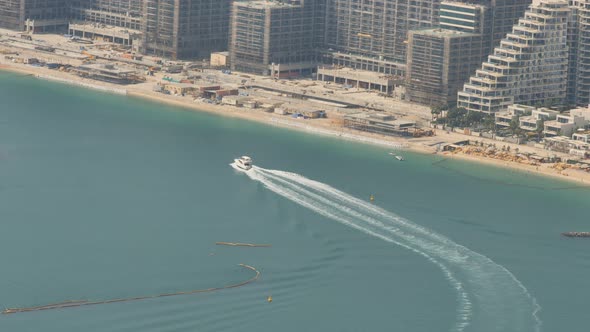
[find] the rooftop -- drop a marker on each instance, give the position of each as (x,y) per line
(107,68)
(261,4)
(356,74)
(438,32)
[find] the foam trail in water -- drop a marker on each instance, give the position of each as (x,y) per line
(504,304)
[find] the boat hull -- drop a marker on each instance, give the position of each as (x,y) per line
(239,167)
(576,234)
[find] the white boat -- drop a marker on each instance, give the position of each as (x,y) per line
(398,157)
(244,163)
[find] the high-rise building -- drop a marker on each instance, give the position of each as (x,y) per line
(440,60)
(116,13)
(506,14)
(11,15)
(117,21)
(185,29)
(279,38)
(372,34)
(530,65)
(579,55)
(34,15)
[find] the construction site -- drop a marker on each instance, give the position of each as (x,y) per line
(184,29)
(371,35)
(34,15)
(100,60)
(277,39)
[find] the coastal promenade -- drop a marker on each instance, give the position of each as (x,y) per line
(330,126)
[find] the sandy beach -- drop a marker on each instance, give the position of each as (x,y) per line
(331,126)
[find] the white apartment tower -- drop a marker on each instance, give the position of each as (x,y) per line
(579,59)
(530,65)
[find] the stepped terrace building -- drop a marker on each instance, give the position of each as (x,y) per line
(529,67)
(579,58)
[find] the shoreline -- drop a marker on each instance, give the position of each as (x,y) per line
(321,127)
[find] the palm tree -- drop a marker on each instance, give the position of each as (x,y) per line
(437,110)
(514,126)
(540,128)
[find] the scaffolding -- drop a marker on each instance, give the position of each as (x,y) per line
(34,15)
(118,13)
(280,39)
(46,15)
(11,15)
(375,29)
(530,65)
(184,29)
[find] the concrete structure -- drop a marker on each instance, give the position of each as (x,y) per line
(237,101)
(582,136)
(529,67)
(534,122)
(275,38)
(566,145)
(441,60)
(34,15)
(219,59)
(108,33)
(114,13)
(505,14)
(359,79)
(379,123)
(579,57)
(567,124)
(514,112)
(108,73)
(439,63)
(11,15)
(372,35)
(185,29)
(179,88)
(563,125)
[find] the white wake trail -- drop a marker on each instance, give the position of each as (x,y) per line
(499,295)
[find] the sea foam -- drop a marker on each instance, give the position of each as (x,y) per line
(486,291)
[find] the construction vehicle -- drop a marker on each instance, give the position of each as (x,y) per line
(422,132)
(88,55)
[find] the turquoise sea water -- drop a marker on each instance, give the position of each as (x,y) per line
(104,197)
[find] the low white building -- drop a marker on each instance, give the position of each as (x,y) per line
(235,100)
(503,119)
(533,121)
(582,136)
(567,124)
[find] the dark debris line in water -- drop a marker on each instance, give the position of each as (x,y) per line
(79,303)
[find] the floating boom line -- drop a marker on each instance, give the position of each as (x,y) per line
(80,303)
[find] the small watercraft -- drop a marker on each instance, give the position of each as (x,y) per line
(576,234)
(244,163)
(398,157)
